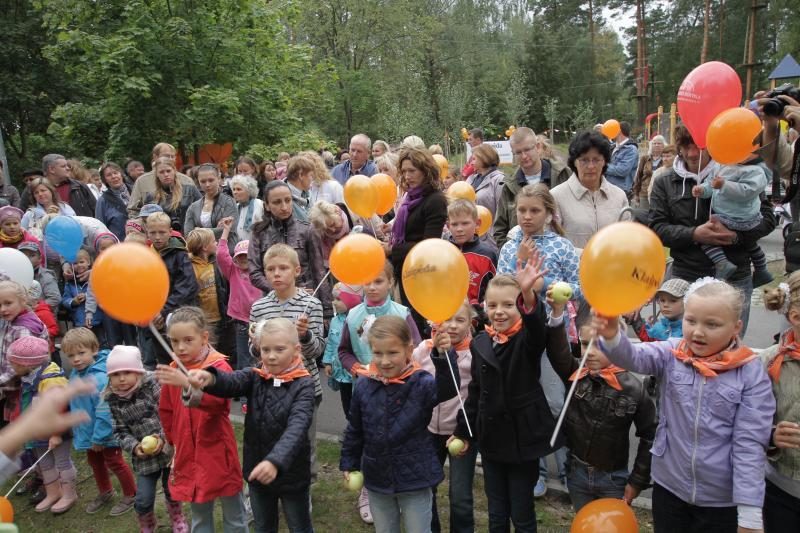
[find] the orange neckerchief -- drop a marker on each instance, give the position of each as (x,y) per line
(295,370)
(212,357)
(461,346)
(372,372)
(609,374)
(501,337)
(788,348)
(721,362)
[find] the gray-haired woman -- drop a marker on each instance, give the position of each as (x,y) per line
(250,208)
(647,165)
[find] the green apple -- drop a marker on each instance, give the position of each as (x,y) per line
(455,447)
(355,482)
(562,292)
(149,445)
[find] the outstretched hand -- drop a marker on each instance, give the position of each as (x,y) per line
(532,271)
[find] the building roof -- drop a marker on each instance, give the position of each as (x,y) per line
(787,68)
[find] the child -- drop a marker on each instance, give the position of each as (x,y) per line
(506,407)
(11,232)
(670,305)
(345,297)
(133,396)
(597,425)
(735,200)
(115,331)
(74,299)
(715,417)
(463,222)
(45,277)
(96,438)
(277,451)
(30,359)
(455,335)
(782,500)
(387,437)
(206,464)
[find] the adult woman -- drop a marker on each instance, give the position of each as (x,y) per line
(587,201)
(173,196)
(379,148)
(112,206)
(82,174)
(487,179)
(208,211)
(647,165)
(47,201)
(245,166)
(667,158)
(251,208)
(421,215)
(332,222)
(323,186)
(266,173)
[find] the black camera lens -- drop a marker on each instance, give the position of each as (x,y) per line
(773,108)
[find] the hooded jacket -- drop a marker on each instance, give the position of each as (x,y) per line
(482,263)
(99,429)
(182,283)
(112,212)
(622,168)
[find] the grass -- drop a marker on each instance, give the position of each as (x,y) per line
(334,507)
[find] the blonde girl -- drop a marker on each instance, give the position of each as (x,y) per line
(173,196)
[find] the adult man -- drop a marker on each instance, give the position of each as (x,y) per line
(359,163)
(56,169)
(474,139)
(682,221)
(624,160)
(9,195)
(532,169)
(146,183)
(134,169)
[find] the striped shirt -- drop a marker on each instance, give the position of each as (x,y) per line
(270,307)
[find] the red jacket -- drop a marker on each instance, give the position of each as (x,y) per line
(482,263)
(45,314)
(206,464)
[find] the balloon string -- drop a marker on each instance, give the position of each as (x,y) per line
(166,347)
(75,279)
(374,233)
(571,393)
(315,290)
(28,471)
(458,392)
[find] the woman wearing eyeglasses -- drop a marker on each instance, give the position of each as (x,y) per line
(587,201)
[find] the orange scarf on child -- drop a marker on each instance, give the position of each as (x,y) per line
(721,362)
(788,349)
(295,370)
(461,346)
(609,374)
(211,357)
(502,337)
(372,372)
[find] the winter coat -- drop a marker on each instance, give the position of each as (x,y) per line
(182,283)
(213,290)
(146,185)
(784,461)
(242,293)
(137,417)
(81,199)
(112,212)
(425,221)
(9,193)
(710,445)
(77,313)
(553,173)
(387,437)
(224,206)
(622,168)
(206,464)
(25,325)
(672,217)
(737,203)
(482,263)
(342,171)
(99,428)
(583,212)
(444,416)
(275,426)
(331,355)
(488,190)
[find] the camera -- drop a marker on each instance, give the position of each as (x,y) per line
(775,106)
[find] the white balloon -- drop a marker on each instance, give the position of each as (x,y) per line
(16,266)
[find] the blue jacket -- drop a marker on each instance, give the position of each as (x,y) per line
(664,329)
(387,436)
(738,200)
(331,355)
(112,211)
(99,429)
(622,168)
(78,314)
(341,172)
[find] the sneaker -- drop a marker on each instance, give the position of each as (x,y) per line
(99,501)
(761,277)
(122,506)
(541,488)
(248,509)
(363,507)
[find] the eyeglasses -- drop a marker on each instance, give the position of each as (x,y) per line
(585,162)
(521,151)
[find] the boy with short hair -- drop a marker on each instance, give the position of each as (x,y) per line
(463,222)
(670,323)
(96,437)
(46,278)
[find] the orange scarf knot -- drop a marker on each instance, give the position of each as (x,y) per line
(710,365)
(372,372)
(609,374)
(787,349)
(502,337)
(459,347)
(207,358)
(295,370)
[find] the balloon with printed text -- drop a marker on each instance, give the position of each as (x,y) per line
(435,279)
(705,92)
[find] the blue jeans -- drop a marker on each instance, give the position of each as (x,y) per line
(243,357)
(586,483)
(265,510)
(555,392)
(234,516)
(509,491)
(414,508)
(746,286)
(146,490)
(461,473)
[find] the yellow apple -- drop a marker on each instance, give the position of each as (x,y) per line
(149,445)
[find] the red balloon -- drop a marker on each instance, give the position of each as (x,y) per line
(706,92)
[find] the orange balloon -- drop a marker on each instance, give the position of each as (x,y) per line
(361,196)
(6,511)
(606,515)
(444,166)
(387,192)
(485,216)
(610,128)
(461,189)
(357,259)
(435,279)
(130,282)
(730,135)
(621,268)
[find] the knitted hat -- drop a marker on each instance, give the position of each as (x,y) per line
(10,211)
(134,225)
(675,286)
(241,248)
(29,246)
(29,351)
(35,291)
(150,209)
(350,295)
(124,359)
(104,235)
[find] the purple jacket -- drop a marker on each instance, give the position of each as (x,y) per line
(711,442)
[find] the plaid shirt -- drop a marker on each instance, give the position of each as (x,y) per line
(9,332)
(137,417)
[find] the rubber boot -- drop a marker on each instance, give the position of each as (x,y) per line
(179,524)
(68,498)
(52,496)
(147,522)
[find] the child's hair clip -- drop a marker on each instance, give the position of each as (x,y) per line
(787,298)
(708,280)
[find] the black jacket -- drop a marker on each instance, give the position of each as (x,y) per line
(183,286)
(81,199)
(506,406)
(425,221)
(672,217)
(598,421)
(275,426)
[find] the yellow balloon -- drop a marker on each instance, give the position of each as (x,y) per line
(361,196)
(485,216)
(461,189)
(444,166)
(621,268)
(435,279)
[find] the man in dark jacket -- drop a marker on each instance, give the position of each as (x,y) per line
(624,160)
(8,193)
(682,222)
(56,169)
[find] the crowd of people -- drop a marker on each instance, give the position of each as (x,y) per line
(253,315)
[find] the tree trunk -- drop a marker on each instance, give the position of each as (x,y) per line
(706,16)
